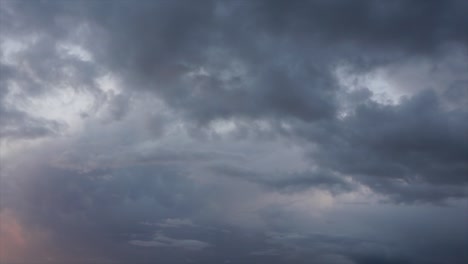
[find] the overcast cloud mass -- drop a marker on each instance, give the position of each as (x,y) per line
(137,132)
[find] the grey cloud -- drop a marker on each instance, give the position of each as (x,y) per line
(281,81)
(35,73)
(349,249)
(160,240)
(176,222)
(396,149)
(179,45)
(20,125)
(267,68)
(100,213)
(35,63)
(118,105)
(416,26)
(292,247)
(102,205)
(276,85)
(290,182)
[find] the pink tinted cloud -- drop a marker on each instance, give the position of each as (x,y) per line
(20,243)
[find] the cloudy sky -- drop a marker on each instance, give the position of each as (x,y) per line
(137,132)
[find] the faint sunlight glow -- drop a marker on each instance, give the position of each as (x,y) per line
(376,81)
(76,51)
(63,105)
(13,240)
(223,126)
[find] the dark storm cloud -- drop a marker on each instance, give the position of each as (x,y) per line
(170,48)
(253,63)
(287,50)
(413,150)
(153,49)
(416,26)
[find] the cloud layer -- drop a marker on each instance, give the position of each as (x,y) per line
(233,131)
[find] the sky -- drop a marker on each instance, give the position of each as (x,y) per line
(263,131)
